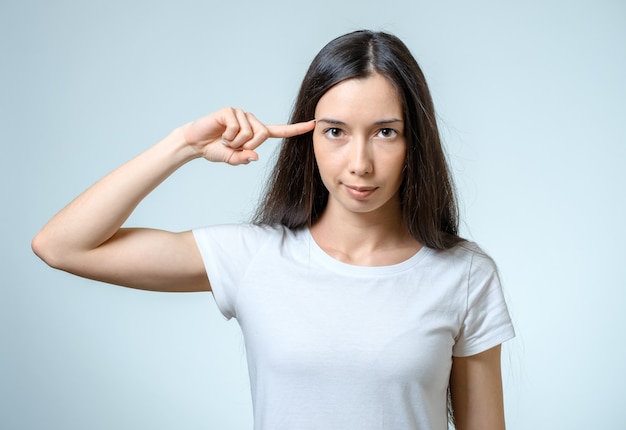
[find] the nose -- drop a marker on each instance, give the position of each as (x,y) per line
(360,162)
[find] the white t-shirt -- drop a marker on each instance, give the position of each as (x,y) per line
(336,346)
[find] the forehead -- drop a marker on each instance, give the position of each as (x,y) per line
(372,98)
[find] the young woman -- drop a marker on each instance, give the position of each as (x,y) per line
(360,305)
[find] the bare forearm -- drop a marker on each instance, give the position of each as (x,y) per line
(98,213)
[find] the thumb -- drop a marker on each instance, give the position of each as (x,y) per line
(243,156)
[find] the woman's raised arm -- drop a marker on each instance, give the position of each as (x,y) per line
(86,238)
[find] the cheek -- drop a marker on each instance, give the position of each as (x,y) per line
(319,159)
(396,162)
(402,163)
(397,165)
(323,157)
(321,162)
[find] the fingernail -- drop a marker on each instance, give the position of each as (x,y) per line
(251,159)
(224,143)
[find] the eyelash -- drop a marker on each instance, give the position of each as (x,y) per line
(332,132)
(336,133)
(393,132)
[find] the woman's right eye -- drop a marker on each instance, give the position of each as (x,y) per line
(334,133)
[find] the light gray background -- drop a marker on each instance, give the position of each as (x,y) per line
(531,102)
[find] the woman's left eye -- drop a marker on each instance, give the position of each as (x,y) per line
(387,133)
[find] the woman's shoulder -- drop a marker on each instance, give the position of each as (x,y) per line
(469,253)
(243,227)
(248,232)
(245,242)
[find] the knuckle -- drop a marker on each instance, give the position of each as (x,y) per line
(246,133)
(264,133)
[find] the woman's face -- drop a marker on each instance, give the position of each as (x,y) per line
(360,146)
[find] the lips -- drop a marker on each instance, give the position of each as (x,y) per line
(359,192)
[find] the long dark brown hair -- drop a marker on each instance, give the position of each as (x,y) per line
(296,197)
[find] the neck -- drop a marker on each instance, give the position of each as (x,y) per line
(368,239)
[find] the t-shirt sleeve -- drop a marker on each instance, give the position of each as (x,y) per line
(226,251)
(487,322)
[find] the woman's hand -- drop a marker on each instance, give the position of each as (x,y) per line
(232,135)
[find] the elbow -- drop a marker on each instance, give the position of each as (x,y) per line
(43,249)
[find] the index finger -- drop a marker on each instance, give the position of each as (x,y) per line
(289,130)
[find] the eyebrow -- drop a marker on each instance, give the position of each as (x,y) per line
(337,122)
